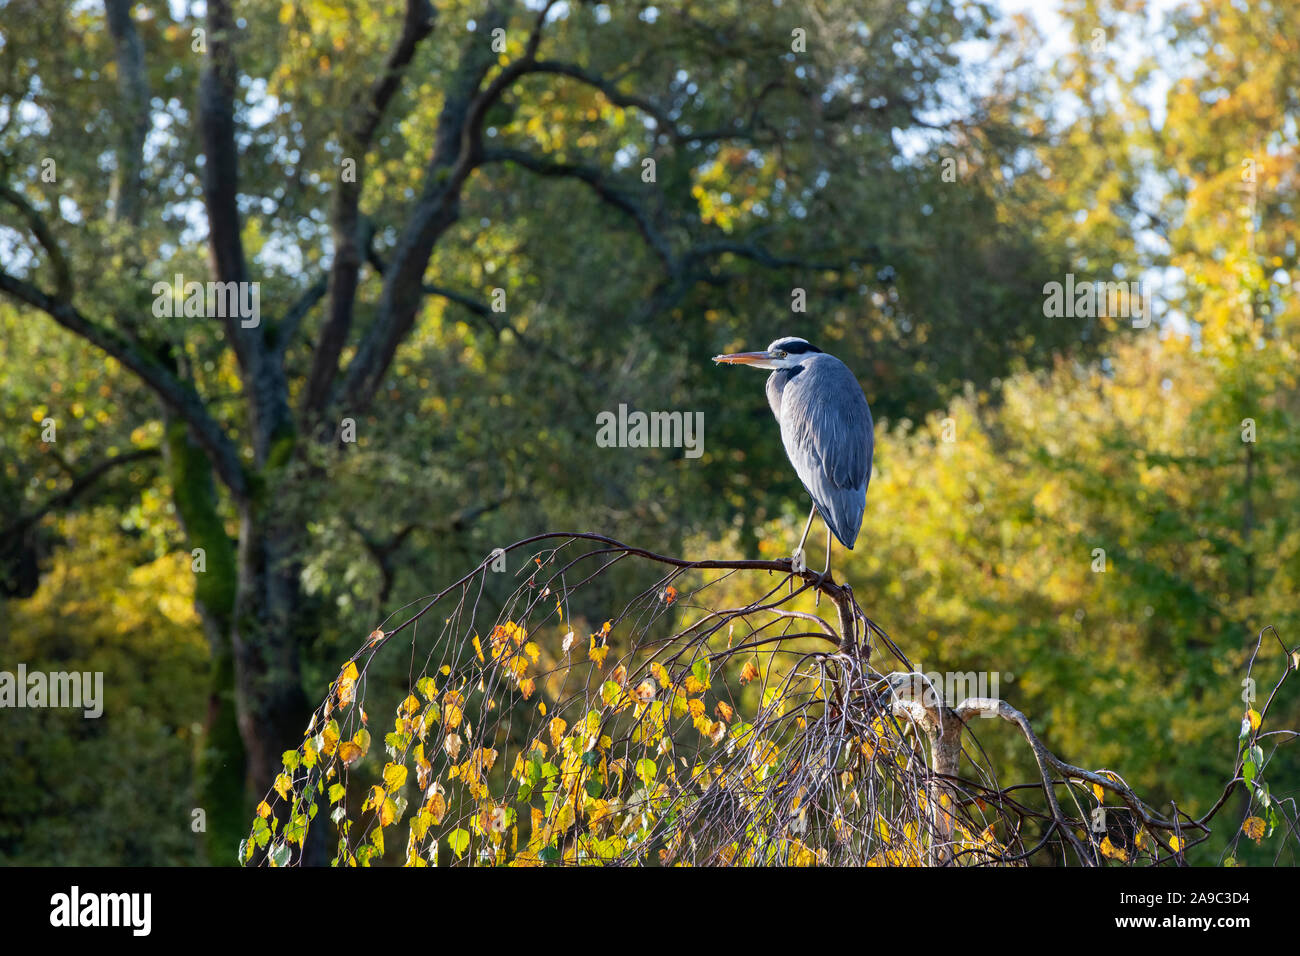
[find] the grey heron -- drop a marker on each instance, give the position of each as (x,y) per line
(826,428)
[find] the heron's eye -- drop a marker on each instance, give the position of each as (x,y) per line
(779,354)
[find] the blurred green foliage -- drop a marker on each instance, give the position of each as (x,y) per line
(976,553)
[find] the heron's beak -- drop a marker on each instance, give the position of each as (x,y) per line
(743,358)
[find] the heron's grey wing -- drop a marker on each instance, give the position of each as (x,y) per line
(829,436)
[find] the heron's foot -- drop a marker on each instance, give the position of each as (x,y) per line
(823,578)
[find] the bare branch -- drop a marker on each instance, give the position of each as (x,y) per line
(457,149)
(221,170)
(348,243)
(261,369)
(756,253)
(134,88)
(287,330)
(81,483)
(602,187)
(41,230)
(179,396)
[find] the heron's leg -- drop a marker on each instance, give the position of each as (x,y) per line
(798,551)
(826,574)
(807,528)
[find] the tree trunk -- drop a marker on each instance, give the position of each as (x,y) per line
(220,765)
(273,619)
(267,628)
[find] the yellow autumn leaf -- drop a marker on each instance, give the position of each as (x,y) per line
(1253,827)
(1109,849)
(349,753)
(437,807)
(451,744)
(329,738)
(347,684)
(452,714)
(394,776)
(421,823)
(802,855)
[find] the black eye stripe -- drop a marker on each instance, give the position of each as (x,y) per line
(795,348)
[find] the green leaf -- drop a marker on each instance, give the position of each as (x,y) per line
(458,840)
(261,833)
(610,693)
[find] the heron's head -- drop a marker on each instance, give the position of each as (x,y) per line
(783,353)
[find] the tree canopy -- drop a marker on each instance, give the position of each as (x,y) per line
(474,226)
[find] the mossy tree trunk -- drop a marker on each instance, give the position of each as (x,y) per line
(249,596)
(221,761)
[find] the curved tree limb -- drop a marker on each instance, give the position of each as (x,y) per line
(81,483)
(177,395)
(348,242)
